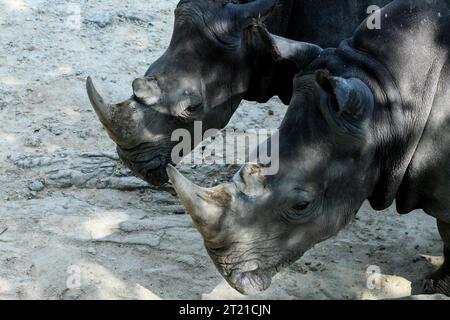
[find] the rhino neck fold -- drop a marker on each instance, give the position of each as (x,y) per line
(391,164)
(401,118)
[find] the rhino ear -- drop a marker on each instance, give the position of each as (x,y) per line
(246,10)
(301,53)
(352,96)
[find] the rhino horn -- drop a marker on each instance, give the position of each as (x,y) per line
(206,206)
(116,118)
(102,109)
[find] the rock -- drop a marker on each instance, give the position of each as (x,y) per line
(83,135)
(188,260)
(32,195)
(151,240)
(136,18)
(101,19)
(92,251)
(33,142)
(64,169)
(36,185)
(57,132)
(31,161)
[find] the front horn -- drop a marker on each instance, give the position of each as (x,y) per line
(205,206)
(101,108)
(122,120)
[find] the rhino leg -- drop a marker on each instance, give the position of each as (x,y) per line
(439,282)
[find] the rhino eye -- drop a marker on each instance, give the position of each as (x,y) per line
(301,206)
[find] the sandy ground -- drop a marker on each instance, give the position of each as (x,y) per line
(75,225)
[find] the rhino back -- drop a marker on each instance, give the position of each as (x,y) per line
(327,22)
(322,22)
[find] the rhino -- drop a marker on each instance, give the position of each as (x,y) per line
(368,120)
(215,60)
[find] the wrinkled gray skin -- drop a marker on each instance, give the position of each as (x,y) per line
(215,60)
(368,120)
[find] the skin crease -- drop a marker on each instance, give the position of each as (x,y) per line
(214,61)
(358,127)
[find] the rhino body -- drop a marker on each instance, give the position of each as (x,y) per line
(214,61)
(368,120)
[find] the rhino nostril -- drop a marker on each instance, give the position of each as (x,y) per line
(252,282)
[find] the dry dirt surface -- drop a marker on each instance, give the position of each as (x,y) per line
(75,225)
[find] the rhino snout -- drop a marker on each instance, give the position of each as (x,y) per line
(251,282)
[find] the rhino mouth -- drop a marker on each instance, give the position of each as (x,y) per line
(249,278)
(151,169)
(251,282)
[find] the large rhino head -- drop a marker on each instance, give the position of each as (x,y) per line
(202,76)
(257,224)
